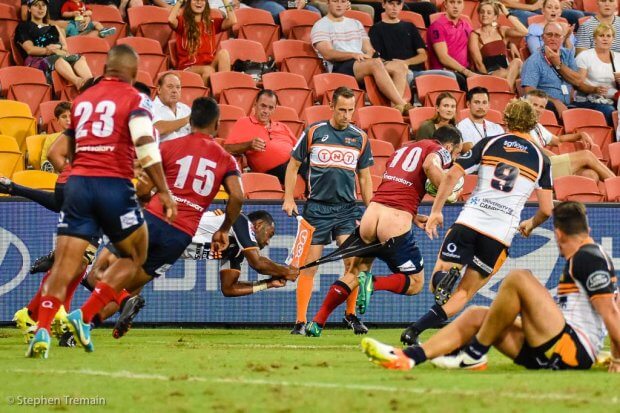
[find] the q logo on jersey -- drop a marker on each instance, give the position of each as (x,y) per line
(12,249)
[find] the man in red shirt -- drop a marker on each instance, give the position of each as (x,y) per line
(266,144)
(111,127)
(388,219)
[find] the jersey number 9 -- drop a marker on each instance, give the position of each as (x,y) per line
(203,186)
(505,177)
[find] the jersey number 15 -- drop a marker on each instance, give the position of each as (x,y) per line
(205,177)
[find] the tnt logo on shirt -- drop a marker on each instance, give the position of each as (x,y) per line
(334,156)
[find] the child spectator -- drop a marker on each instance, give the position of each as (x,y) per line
(82,22)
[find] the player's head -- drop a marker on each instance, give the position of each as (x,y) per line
(538,99)
(122,62)
(39,10)
(520,116)
(169,89)
(478,102)
(62,113)
(569,221)
(264,227)
(445,106)
(205,115)
(266,102)
(450,138)
(343,106)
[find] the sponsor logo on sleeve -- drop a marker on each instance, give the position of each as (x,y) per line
(445,156)
(466,155)
(598,280)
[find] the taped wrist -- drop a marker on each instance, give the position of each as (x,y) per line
(148,154)
(258,286)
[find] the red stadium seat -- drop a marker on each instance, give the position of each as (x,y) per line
(299,192)
(612,187)
(46,113)
(289,117)
(145,77)
(360,16)
(16,4)
(614,157)
(549,121)
(297,24)
(384,124)
(469,184)
(296,56)
(93,49)
(150,22)
(291,89)
(376,97)
(242,49)
(577,188)
(109,16)
(419,115)
(234,88)
(258,25)
(16,52)
(8,23)
(430,86)
(192,86)
(229,115)
(152,58)
(325,84)
(590,121)
(314,114)
(5,54)
(381,152)
(261,186)
(25,84)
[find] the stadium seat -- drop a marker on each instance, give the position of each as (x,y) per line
(234,88)
(289,117)
(549,121)
(16,4)
(299,192)
(318,113)
(375,96)
(94,49)
(419,115)
(45,181)
(5,54)
(11,158)
(493,115)
(243,49)
(34,149)
(384,124)
(25,84)
(614,157)
(258,25)
(47,121)
(568,147)
(325,84)
(381,152)
(150,22)
(469,184)
(360,16)
(577,188)
(375,181)
(429,87)
(297,24)
(16,120)
(109,16)
(261,186)
(229,115)
(8,23)
(145,77)
(612,187)
(63,90)
(590,121)
(152,58)
(192,86)
(296,56)
(291,89)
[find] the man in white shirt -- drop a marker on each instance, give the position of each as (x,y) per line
(475,127)
(170,117)
(582,163)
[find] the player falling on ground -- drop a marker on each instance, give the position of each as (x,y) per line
(524,322)
(510,167)
(388,219)
(112,126)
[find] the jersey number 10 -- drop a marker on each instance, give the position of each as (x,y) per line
(410,163)
(205,177)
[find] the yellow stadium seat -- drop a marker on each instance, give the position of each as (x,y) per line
(9,162)
(14,108)
(18,127)
(34,146)
(221,194)
(8,144)
(36,179)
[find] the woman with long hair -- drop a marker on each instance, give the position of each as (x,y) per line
(552,12)
(488,45)
(196,37)
(445,114)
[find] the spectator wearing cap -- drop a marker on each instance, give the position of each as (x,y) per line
(170,116)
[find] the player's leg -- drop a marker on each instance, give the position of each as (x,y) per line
(46,199)
(204,71)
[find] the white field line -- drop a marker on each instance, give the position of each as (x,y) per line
(266,346)
(561,397)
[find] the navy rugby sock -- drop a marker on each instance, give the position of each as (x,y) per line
(475,349)
(435,317)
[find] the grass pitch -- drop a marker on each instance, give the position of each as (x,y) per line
(220,370)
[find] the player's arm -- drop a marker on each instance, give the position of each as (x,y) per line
(264,265)
(607,307)
(446,187)
(432,169)
(365,185)
(290,179)
(144,188)
(544,194)
(234,189)
(59,151)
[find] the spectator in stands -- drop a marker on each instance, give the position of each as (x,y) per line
(196,31)
(447,37)
(445,114)
(475,127)
(80,20)
(267,144)
(524,11)
(600,68)
(582,162)
(43,46)
(62,115)
(275,7)
(488,47)
(607,13)
(53,7)
(552,69)
(323,7)
(213,4)
(400,41)
(170,117)
(552,11)
(345,47)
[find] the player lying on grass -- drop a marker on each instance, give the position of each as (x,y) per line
(388,219)
(510,167)
(524,322)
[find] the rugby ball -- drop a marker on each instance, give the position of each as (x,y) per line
(432,189)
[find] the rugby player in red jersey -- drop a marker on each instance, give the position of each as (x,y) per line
(388,218)
(111,126)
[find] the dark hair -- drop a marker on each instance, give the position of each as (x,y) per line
(570,218)
(163,77)
(537,93)
(193,31)
(267,92)
(46,18)
(344,92)
(448,134)
(61,108)
(478,90)
(205,112)
(263,216)
(142,88)
(443,95)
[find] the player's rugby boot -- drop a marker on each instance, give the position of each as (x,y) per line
(313,330)
(80,330)
(354,323)
(26,324)
(386,356)
(129,311)
(67,340)
(443,289)
(365,290)
(461,360)
(59,325)
(409,336)
(39,345)
(43,264)
(299,329)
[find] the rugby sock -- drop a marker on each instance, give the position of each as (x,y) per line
(433,318)
(336,295)
(304,293)
(44,198)
(122,296)
(96,321)
(71,291)
(397,283)
(33,305)
(102,295)
(475,349)
(47,310)
(351,302)
(416,353)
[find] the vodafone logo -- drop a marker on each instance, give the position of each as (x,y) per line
(12,250)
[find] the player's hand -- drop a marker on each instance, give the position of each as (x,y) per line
(614,367)
(526,227)
(219,242)
(170,206)
(257,144)
(420,221)
(434,220)
(292,274)
(289,206)
(276,283)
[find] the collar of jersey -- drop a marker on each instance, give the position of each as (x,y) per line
(523,135)
(587,240)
